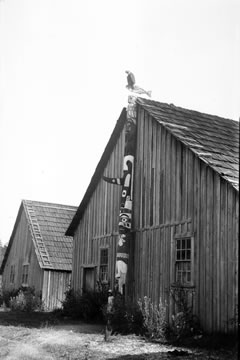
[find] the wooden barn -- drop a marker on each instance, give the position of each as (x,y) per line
(39,253)
(185,213)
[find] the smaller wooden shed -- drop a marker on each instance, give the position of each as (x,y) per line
(39,254)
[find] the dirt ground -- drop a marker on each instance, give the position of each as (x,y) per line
(26,338)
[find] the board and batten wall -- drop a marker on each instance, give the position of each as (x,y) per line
(55,285)
(175,193)
(22,252)
(98,227)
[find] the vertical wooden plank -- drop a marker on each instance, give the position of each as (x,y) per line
(196,229)
(178,181)
(141,164)
(158,173)
(173,179)
(183,182)
(162,268)
(216,253)
(209,249)
(168,264)
(154,169)
(168,177)
(163,176)
(236,268)
(146,170)
(190,195)
(222,256)
(202,245)
(230,260)
(186,184)
(137,271)
(154,265)
(152,173)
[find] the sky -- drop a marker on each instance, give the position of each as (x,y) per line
(62,82)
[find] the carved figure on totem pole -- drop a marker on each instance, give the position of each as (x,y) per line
(131,85)
(125,211)
(126,181)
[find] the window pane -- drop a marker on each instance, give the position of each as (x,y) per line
(103,273)
(183,261)
(104,256)
(103,269)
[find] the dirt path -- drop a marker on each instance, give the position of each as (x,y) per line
(86,342)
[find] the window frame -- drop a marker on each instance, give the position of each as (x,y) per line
(12,273)
(102,248)
(174,281)
(25,275)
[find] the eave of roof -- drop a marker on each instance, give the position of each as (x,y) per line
(11,238)
(98,173)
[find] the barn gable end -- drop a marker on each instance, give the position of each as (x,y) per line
(39,254)
(185,214)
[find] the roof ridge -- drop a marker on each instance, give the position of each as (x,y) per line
(51,205)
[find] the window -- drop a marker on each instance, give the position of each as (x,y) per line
(103,270)
(183,269)
(25,274)
(12,274)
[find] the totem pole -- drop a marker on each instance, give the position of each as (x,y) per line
(126,181)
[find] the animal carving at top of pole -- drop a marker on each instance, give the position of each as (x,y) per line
(131,85)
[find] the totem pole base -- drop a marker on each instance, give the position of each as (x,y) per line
(108,331)
(108,328)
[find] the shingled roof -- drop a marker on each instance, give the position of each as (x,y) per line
(48,223)
(215,140)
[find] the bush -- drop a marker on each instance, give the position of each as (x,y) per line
(154,319)
(125,317)
(8,294)
(184,322)
(87,306)
(26,300)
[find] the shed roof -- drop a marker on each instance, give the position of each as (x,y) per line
(47,223)
(215,140)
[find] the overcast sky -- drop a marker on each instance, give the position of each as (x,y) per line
(62,82)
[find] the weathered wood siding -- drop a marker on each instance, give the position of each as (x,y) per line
(22,252)
(99,225)
(176,193)
(55,285)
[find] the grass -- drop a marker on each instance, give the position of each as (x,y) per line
(44,336)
